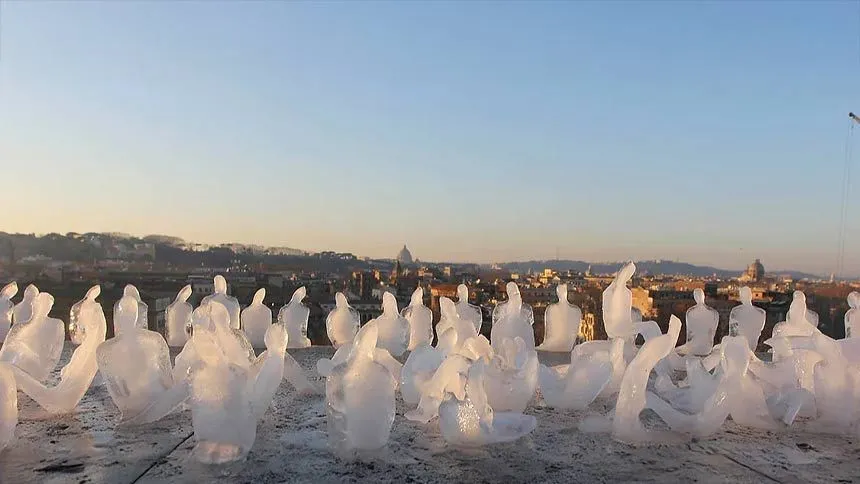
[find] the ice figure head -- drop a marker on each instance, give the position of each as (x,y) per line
(220,284)
(417,297)
(854,300)
(42,305)
(131,291)
(126,317)
(462,293)
(183,294)
(276,338)
(625,273)
(561,291)
(340,300)
(93,293)
(515,300)
(30,292)
(389,304)
(447,308)
(219,315)
(200,320)
(364,345)
(735,355)
(745,294)
(259,296)
(699,296)
(299,295)
(9,290)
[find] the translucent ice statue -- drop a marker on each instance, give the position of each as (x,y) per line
(512,375)
(466,311)
(618,303)
(271,371)
(35,346)
(575,386)
(342,322)
(294,315)
(420,320)
(75,327)
(6,295)
(417,371)
(23,311)
(256,320)
(452,330)
(8,406)
(852,317)
(512,319)
(135,363)
(142,309)
(470,420)
(798,322)
(562,322)
(229,302)
(702,321)
(393,328)
(78,374)
(747,320)
(360,398)
(626,425)
(178,316)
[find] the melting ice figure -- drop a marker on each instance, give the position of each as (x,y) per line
(23,311)
(512,319)
(342,322)
(466,311)
(35,346)
(562,322)
(178,318)
(256,320)
(420,320)
(229,302)
(618,303)
(6,295)
(393,329)
(76,329)
(747,320)
(142,309)
(294,315)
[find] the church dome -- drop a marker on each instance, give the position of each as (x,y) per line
(404,256)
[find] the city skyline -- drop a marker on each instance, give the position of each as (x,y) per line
(711,133)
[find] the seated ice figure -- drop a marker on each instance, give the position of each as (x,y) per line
(135,363)
(6,295)
(8,406)
(852,316)
(471,421)
(626,425)
(360,398)
(618,304)
(393,329)
(256,320)
(76,329)
(460,329)
(466,311)
(381,356)
(342,322)
(295,316)
(178,318)
(575,386)
(232,341)
(512,319)
(23,311)
(200,321)
(35,346)
(77,376)
(562,322)
(420,320)
(798,322)
(747,320)
(512,375)
(702,321)
(230,303)
(142,308)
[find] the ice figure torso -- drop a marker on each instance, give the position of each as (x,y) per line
(575,386)
(76,327)
(466,311)
(618,304)
(747,320)
(852,316)
(256,320)
(393,329)
(6,305)
(798,322)
(294,316)
(512,319)
(512,375)
(178,318)
(420,320)
(35,346)
(562,322)
(702,321)
(342,322)
(360,398)
(230,303)
(135,363)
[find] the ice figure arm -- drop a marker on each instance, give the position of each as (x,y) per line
(384,358)
(47,398)
(265,385)
(294,374)
(165,404)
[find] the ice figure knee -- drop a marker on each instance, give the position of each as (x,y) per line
(178,318)
(562,322)
(294,315)
(393,329)
(420,320)
(256,320)
(35,346)
(342,322)
(512,319)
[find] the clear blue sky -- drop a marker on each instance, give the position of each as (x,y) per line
(707,132)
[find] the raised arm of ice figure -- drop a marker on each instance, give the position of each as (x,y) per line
(9,290)
(272,372)
(618,303)
(6,295)
(420,320)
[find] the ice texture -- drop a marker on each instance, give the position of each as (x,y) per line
(747,320)
(77,376)
(294,315)
(702,321)
(852,316)
(178,318)
(420,320)
(135,363)
(230,303)
(360,398)
(618,304)
(470,420)
(342,322)
(256,320)
(466,311)
(35,346)
(512,319)
(576,386)
(393,329)
(76,332)
(561,322)
(8,406)
(6,305)
(23,311)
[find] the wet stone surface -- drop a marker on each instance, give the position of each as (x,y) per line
(85,447)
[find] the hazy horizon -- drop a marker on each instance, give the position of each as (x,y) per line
(706,132)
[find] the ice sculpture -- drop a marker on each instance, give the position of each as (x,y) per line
(512,376)
(76,329)
(229,302)
(798,322)
(626,425)
(256,320)
(8,406)
(466,311)
(512,319)
(562,322)
(271,371)
(417,371)
(452,330)
(471,421)
(35,346)
(702,321)
(200,321)
(747,320)
(342,322)
(360,398)
(23,311)
(575,386)
(852,316)
(142,309)
(231,341)
(393,329)
(618,304)
(6,295)
(448,378)
(178,318)
(294,315)
(420,320)
(78,374)
(135,363)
